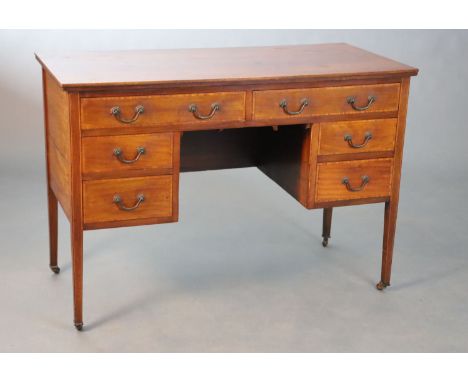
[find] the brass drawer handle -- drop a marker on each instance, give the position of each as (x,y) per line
(115,111)
(365,181)
(284,105)
(194,110)
(118,200)
(118,153)
(370,100)
(367,137)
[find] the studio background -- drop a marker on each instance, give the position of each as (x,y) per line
(244,269)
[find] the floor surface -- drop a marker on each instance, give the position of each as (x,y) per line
(243,271)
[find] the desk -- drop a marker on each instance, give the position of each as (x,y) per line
(325,122)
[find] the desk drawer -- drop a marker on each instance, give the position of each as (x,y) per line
(104,155)
(357,136)
(302,103)
(353,179)
(203,108)
(126,199)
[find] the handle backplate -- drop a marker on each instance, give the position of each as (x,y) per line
(193,108)
(352,101)
(119,202)
(118,153)
(367,137)
(117,113)
(284,105)
(364,181)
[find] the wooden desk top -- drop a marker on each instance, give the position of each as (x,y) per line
(219,66)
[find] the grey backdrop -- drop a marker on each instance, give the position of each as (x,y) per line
(244,272)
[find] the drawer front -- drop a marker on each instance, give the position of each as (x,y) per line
(106,200)
(347,180)
(357,136)
(301,103)
(127,152)
(111,112)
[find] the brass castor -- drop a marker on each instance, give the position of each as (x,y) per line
(325,241)
(381,285)
(55,269)
(79,326)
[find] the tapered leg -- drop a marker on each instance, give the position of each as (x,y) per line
(77,260)
(391,207)
(326,227)
(53,230)
(391,210)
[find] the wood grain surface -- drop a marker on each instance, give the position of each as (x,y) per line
(98,205)
(330,176)
(162,109)
(324,101)
(220,66)
(99,158)
(331,140)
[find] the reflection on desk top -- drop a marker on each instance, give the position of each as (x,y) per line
(219,66)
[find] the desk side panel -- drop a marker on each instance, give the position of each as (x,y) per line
(58,141)
(284,158)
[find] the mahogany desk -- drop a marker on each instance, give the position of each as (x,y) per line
(325,122)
